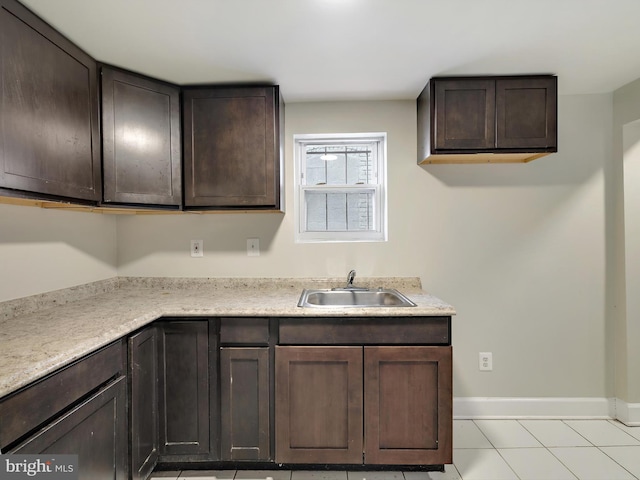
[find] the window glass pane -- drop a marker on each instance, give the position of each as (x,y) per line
(336,170)
(340,164)
(340,212)
(316,171)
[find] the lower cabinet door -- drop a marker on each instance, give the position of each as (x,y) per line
(95,430)
(244,403)
(143,375)
(408,401)
(183,353)
(319,405)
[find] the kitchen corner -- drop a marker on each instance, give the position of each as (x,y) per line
(211,372)
(101,312)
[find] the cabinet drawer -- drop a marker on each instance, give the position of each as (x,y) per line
(366,331)
(246,331)
(32,406)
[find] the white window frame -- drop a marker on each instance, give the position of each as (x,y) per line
(379,188)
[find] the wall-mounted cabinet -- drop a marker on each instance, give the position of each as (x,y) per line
(232,147)
(49,125)
(51,143)
(487,119)
(140,140)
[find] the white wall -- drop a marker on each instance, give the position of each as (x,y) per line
(160,245)
(44,250)
(522,257)
(631,172)
(625,250)
(519,250)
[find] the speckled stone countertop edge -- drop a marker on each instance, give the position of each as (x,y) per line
(61,328)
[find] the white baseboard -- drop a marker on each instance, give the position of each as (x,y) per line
(628,413)
(506,407)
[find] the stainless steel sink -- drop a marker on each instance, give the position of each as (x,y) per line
(355,297)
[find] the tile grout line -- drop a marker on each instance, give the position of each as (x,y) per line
(497,451)
(548,449)
(602,451)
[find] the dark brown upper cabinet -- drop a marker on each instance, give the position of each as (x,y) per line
(487,119)
(140,140)
(49,120)
(232,147)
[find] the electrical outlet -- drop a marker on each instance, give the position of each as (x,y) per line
(253,247)
(485,361)
(197,248)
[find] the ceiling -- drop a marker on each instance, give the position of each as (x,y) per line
(323,50)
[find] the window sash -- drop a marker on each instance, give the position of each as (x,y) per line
(372,210)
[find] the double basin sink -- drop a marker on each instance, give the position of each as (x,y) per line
(354,297)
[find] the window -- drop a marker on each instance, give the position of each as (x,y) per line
(340,188)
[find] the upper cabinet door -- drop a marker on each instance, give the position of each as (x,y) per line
(49,130)
(464,114)
(141,140)
(232,147)
(526,112)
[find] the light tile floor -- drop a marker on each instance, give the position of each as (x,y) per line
(500,449)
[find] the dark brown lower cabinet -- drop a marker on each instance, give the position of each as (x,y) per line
(244,403)
(143,393)
(408,405)
(319,405)
(95,430)
(184,387)
(400,397)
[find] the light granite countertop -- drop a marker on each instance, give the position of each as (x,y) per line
(42,333)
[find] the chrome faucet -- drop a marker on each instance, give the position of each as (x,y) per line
(350,286)
(350,277)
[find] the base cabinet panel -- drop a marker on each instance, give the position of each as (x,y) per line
(407,405)
(244,403)
(372,405)
(143,374)
(319,405)
(95,430)
(184,388)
